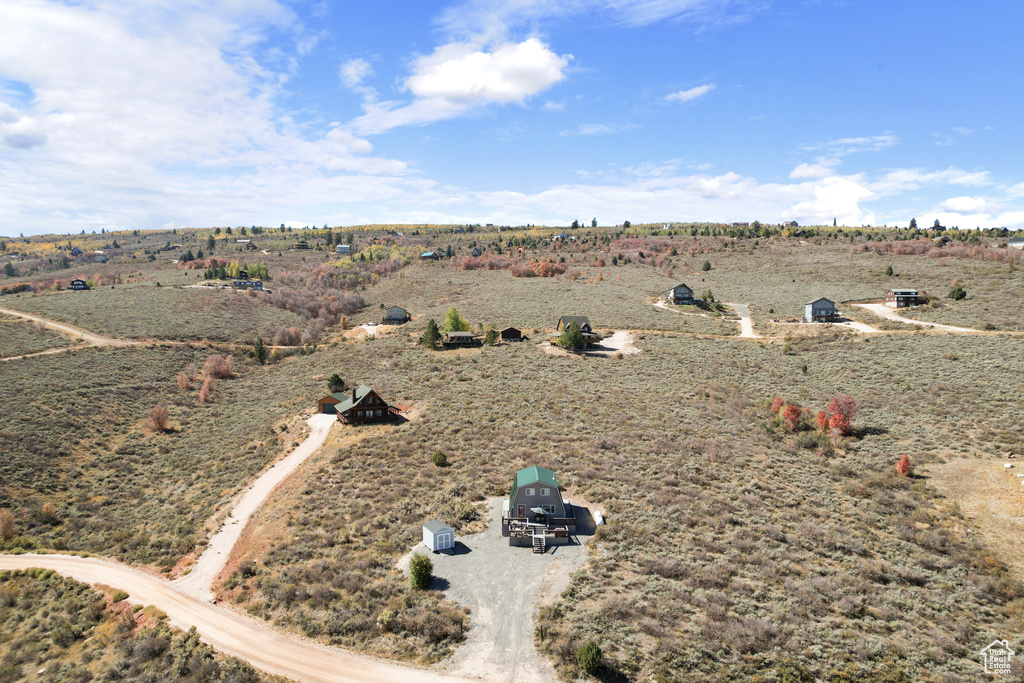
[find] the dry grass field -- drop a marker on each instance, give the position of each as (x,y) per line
(150,312)
(735,548)
(19,336)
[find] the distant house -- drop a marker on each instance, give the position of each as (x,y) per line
(943,241)
(437,536)
(343,249)
(75,251)
(459,230)
(902,298)
(511,334)
(1017,243)
(589,338)
(249,246)
(429,256)
(792,224)
(243,241)
(477,252)
(79,284)
(681,295)
(361,406)
(581,320)
(459,338)
(535,513)
(248,284)
(102,259)
(301,245)
(820,311)
(396,315)
(560,237)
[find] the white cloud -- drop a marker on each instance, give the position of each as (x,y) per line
(845,146)
(964,205)
(691,94)
(909,179)
(143,113)
(354,72)
(488,20)
(464,73)
(460,76)
(812,171)
(553,106)
(590,129)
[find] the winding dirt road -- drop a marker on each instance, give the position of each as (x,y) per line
(77,332)
(199,583)
(883,311)
(231,633)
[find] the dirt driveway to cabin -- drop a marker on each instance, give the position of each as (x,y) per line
(883,311)
(227,631)
(199,582)
(622,341)
(504,587)
(746,326)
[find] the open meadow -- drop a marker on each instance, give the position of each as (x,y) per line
(742,542)
(19,336)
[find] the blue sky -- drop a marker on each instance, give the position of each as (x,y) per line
(230,112)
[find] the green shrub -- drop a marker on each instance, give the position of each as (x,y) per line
(439,458)
(119,596)
(421,572)
(706,267)
(957,293)
(589,657)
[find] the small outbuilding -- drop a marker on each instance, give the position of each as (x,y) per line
(79,284)
(437,536)
(429,256)
(511,334)
(820,311)
(75,251)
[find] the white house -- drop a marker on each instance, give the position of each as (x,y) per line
(343,249)
(437,536)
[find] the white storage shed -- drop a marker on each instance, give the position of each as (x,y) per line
(437,536)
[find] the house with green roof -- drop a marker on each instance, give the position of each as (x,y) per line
(362,405)
(535,512)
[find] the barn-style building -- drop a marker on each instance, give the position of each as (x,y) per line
(821,311)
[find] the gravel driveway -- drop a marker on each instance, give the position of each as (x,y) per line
(503,587)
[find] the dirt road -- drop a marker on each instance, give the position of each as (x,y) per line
(226,631)
(746,326)
(200,581)
(883,311)
(76,332)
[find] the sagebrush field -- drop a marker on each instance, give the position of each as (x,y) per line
(740,545)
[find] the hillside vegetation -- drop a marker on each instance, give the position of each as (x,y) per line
(737,546)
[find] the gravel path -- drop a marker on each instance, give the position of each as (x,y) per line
(746,326)
(883,311)
(503,586)
(199,582)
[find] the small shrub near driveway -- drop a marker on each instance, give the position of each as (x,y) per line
(421,572)
(589,657)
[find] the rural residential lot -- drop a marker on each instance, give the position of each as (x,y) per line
(742,537)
